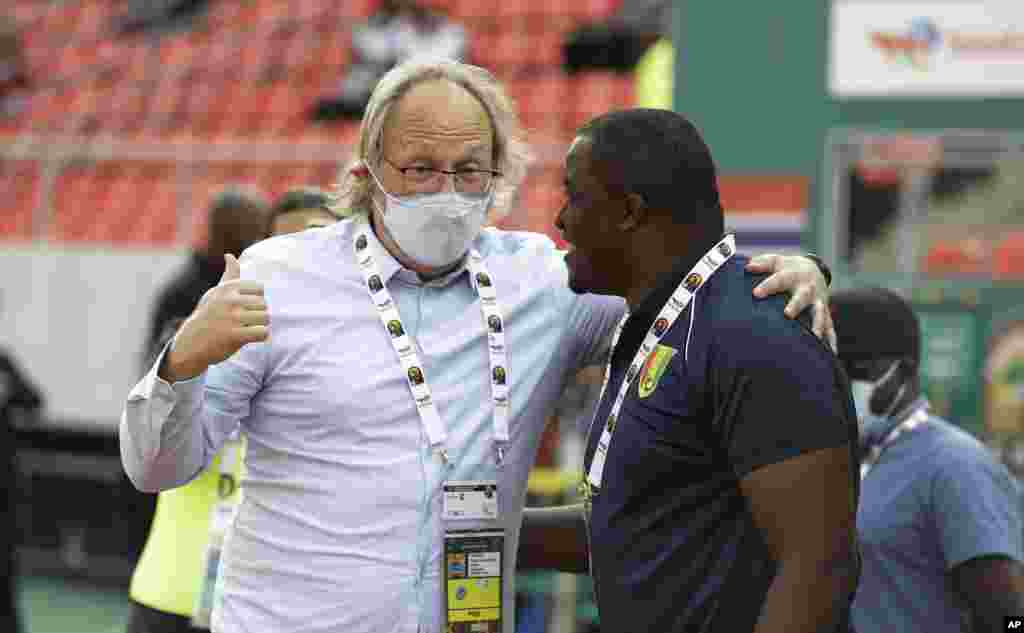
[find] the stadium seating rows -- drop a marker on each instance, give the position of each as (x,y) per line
(246,71)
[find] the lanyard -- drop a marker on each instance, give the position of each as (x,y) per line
(227,483)
(918,418)
(437,434)
(680,299)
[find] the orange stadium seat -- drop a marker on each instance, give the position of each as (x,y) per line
(950,258)
(20,179)
(1008,258)
(93,18)
(267,11)
(358,8)
(310,11)
(72,211)
(160,224)
(176,54)
(252,70)
(26,11)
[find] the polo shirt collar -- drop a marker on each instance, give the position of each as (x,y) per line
(879,428)
(666,285)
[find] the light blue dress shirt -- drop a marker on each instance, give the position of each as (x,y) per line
(936,498)
(339,529)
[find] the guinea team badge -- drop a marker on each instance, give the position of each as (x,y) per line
(653,369)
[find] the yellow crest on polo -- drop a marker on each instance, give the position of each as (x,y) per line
(654,367)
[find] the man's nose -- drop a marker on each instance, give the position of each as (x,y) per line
(448,184)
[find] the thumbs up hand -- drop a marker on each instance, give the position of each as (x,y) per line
(230,315)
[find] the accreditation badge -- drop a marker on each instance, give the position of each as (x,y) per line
(474,543)
(472,565)
(470,500)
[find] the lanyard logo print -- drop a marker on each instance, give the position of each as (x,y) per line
(426,407)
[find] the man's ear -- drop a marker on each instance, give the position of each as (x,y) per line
(635,212)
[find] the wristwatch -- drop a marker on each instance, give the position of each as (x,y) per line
(822,266)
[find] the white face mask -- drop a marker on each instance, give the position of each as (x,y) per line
(434,229)
(863,390)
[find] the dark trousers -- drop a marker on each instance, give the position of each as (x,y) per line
(8,531)
(142,619)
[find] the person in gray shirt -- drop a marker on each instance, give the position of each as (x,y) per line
(939,521)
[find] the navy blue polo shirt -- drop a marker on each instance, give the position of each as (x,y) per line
(673,545)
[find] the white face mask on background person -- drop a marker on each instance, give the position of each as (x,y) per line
(434,229)
(864,390)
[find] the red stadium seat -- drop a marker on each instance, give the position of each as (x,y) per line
(267,12)
(953,258)
(160,227)
(167,107)
(358,8)
(545,50)
(126,110)
(74,212)
(176,54)
(92,20)
(26,11)
(592,10)
(309,12)
(253,70)
(1008,258)
(541,103)
(20,179)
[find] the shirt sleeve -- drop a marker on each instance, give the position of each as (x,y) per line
(170,433)
(778,393)
(975,506)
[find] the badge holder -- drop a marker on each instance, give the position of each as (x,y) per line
(221,517)
(472,561)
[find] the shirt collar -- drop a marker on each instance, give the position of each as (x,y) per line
(666,285)
(880,429)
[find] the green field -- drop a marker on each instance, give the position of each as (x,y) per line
(56,605)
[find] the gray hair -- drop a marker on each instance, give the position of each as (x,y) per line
(353,195)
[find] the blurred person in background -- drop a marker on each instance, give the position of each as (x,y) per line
(145,15)
(167,579)
(300,209)
(13,70)
(237,218)
(398,31)
(637,39)
(19,398)
(619,42)
(386,380)
(939,521)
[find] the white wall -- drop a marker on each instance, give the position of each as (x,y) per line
(76,320)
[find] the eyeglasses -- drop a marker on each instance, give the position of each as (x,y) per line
(468,181)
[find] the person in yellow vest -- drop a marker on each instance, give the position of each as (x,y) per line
(654,74)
